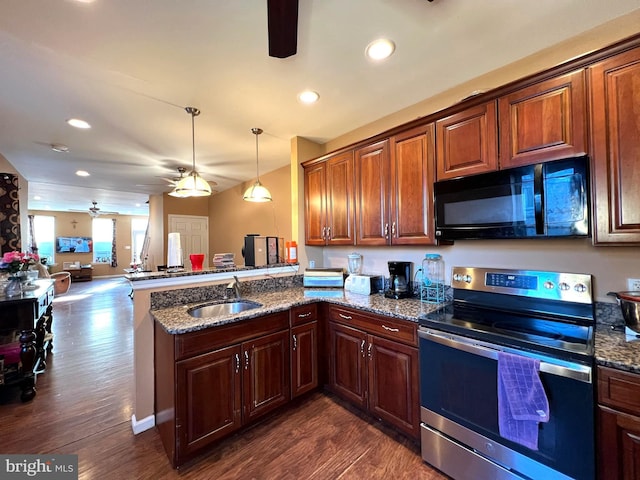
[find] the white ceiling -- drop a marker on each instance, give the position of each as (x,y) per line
(129,67)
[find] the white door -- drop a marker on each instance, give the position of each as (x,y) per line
(194,235)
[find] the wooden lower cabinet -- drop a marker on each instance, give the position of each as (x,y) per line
(209,401)
(618,425)
(266,374)
(376,374)
(304,358)
(206,389)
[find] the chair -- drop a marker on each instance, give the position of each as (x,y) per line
(62,280)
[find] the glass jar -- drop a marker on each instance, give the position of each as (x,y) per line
(432,284)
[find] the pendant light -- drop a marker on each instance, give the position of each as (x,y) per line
(257,192)
(193,185)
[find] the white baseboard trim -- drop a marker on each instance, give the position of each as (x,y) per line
(142,425)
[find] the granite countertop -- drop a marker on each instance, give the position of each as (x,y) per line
(616,350)
(612,347)
(176,320)
(147,275)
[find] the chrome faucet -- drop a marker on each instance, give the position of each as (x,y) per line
(235,286)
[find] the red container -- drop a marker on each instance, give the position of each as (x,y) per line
(196,261)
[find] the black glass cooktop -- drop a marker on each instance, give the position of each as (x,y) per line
(559,337)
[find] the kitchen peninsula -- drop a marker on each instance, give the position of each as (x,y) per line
(144,286)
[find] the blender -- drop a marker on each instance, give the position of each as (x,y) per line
(354,267)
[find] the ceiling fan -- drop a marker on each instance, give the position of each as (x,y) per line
(172,181)
(95,212)
(282,23)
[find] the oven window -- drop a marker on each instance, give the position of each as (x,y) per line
(462,387)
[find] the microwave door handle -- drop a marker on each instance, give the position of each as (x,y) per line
(538,198)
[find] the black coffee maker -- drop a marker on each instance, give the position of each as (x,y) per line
(399,280)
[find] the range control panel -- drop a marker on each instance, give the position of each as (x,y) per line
(572,287)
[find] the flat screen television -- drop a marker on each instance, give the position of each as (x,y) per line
(74,245)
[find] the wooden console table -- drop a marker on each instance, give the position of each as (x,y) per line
(27,318)
(82,274)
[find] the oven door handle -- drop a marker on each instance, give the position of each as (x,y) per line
(476,347)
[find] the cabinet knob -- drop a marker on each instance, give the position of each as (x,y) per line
(390,329)
(304,315)
(386,230)
(237,363)
(346,317)
(295,342)
(362,348)
(246,360)
(369,349)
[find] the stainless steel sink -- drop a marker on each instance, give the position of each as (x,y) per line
(225,308)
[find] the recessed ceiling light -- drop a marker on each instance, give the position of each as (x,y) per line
(78,123)
(58,147)
(380,49)
(82,173)
(37,197)
(308,97)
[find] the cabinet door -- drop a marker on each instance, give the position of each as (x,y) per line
(618,445)
(266,374)
(393,384)
(412,175)
(543,122)
(314,205)
(467,142)
(208,403)
(340,200)
(304,358)
(615,137)
(372,194)
(348,372)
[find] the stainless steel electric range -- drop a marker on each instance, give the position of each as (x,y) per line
(547,317)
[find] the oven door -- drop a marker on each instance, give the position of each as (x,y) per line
(458,391)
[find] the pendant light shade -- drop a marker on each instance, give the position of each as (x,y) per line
(193,185)
(257,192)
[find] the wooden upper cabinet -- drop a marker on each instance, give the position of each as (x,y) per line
(467,142)
(329,201)
(372,194)
(545,121)
(394,189)
(614,97)
(340,200)
(314,205)
(412,176)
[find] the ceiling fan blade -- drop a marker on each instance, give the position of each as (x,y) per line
(283,27)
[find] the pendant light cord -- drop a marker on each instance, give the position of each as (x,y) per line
(256,132)
(194,112)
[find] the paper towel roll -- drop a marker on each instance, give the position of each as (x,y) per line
(174,250)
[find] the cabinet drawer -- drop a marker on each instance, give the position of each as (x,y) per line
(304,314)
(195,343)
(394,329)
(619,389)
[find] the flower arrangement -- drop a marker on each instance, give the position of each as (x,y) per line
(14,262)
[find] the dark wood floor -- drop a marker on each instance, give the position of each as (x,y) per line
(84,407)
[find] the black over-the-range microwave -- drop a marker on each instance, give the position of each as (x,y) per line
(548,199)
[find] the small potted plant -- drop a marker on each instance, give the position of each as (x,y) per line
(16,265)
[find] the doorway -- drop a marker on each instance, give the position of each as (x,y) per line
(194,235)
